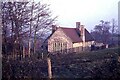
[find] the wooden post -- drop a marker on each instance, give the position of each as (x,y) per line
(29,49)
(49,68)
(119,59)
(106,45)
(42,55)
(23,52)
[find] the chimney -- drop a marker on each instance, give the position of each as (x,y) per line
(54,28)
(82,32)
(78,25)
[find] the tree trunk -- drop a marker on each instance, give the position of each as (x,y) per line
(35,42)
(29,43)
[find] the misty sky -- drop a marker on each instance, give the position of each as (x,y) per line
(88,12)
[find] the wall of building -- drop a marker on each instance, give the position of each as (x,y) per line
(78,47)
(59,36)
(77,44)
(89,43)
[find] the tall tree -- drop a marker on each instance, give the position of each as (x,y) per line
(41,21)
(21,19)
(13,22)
(101,31)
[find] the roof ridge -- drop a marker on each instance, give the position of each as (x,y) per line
(67,27)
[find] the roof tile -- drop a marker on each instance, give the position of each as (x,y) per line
(74,34)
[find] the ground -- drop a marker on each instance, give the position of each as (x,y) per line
(95,64)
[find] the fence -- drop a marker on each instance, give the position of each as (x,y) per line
(73,50)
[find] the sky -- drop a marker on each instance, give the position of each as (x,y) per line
(88,12)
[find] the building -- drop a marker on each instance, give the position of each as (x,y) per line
(70,39)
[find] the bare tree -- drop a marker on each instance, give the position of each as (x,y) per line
(23,19)
(41,21)
(14,22)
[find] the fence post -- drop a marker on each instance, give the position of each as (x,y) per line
(49,68)
(23,52)
(106,46)
(42,55)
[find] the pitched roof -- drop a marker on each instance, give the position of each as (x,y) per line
(88,36)
(74,34)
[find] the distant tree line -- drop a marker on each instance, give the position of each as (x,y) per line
(106,32)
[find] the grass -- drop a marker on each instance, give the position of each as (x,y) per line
(101,63)
(74,65)
(93,55)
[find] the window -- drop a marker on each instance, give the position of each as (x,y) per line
(59,46)
(54,47)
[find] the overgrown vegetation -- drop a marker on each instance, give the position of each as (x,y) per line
(102,64)
(95,64)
